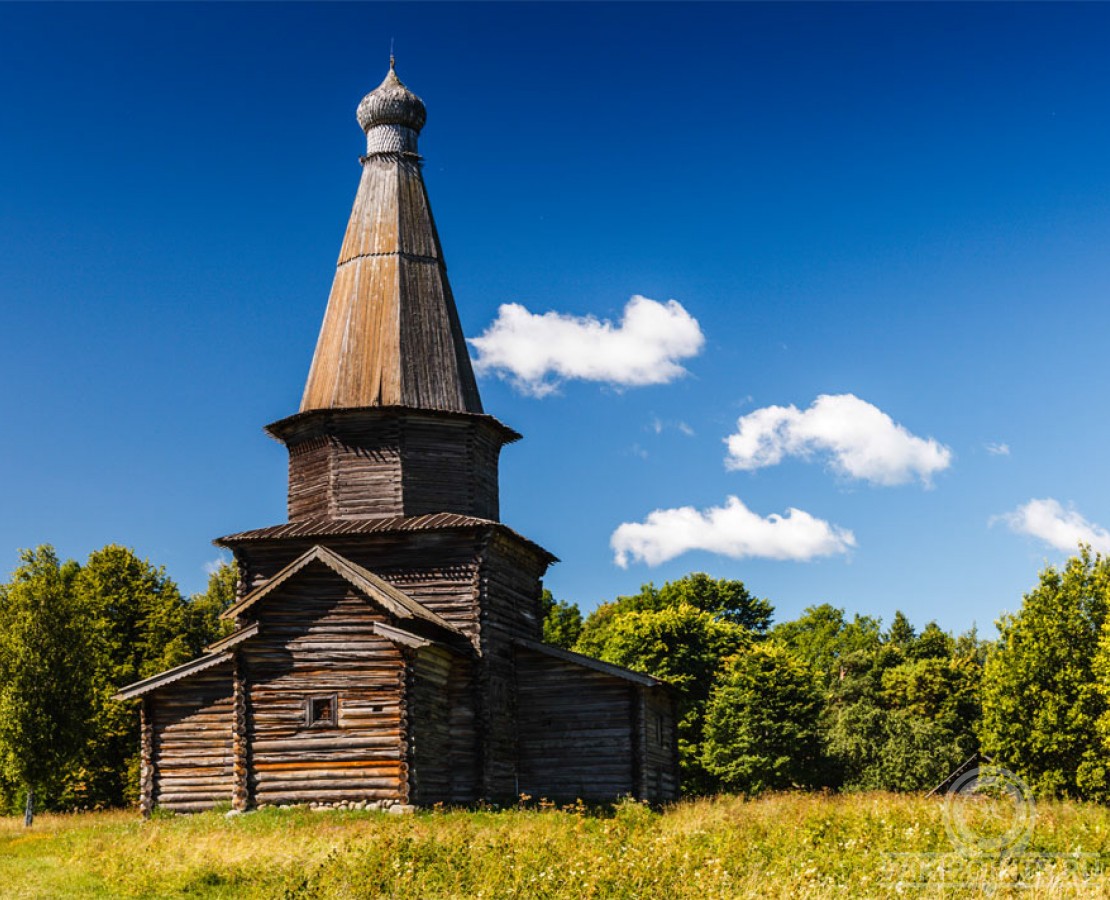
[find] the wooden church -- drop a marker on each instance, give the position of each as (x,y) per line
(387,647)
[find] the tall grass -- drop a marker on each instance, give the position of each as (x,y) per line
(780,846)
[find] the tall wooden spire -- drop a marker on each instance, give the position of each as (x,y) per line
(391,333)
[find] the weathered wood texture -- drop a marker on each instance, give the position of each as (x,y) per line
(486,584)
(509,599)
(191,748)
(577,731)
(394,468)
(442,740)
(146,760)
(382,463)
(240,739)
(437,569)
(391,333)
(658,743)
(316,640)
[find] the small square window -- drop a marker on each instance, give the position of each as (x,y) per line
(321,711)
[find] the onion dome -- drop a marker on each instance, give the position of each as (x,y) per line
(391,103)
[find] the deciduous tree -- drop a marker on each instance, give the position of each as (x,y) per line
(45,685)
(761,722)
(1042,703)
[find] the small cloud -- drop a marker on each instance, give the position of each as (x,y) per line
(997,449)
(731,530)
(538,352)
(658,426)
(637,450)
(213,566)
(859,440)
(1048,521)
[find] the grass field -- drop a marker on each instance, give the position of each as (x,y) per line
(786,845)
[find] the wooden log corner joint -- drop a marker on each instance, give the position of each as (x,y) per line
(388,644)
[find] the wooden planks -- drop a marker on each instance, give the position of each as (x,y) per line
(191,744)
(391,334)
(317,639)
(576,731)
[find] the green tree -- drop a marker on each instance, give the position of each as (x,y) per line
(45,689)
(724,599)
(901,633)
(761,722)
(141,625)
(825,639)
(562,621)
(1042,703)
(202,621)
(902,714)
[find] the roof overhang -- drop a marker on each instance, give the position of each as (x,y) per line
(323,527)
(313,420)
(138,688)
(589,662)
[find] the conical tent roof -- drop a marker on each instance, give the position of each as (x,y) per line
(391,334)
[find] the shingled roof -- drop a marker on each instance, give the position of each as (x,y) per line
(391,334)
(321,526)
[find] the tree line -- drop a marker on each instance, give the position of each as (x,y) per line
(840,702)
(826,700)
(70,636)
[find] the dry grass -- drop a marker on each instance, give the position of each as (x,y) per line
(782,846)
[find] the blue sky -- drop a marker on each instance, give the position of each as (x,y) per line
(908,204)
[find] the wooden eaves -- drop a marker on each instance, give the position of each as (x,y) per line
(590,663)
(139,688)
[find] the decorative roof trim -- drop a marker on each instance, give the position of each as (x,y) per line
(400,636)
(377,589)
(589,662)
(138,688)
(233,640)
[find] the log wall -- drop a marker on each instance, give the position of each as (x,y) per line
(316,641)
(373,465)
(191,741)
(659,781)
(576,730)
(430,737)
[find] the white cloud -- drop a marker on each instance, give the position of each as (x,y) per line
(860,440)
(537,352)
(730,530)
(213,566)
(1064,529)
(658,426)
(997,449)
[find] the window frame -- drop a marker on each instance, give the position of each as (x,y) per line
(316,721)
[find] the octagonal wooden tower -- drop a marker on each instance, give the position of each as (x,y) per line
(388,647)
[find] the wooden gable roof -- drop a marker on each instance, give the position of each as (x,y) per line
(378,589)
